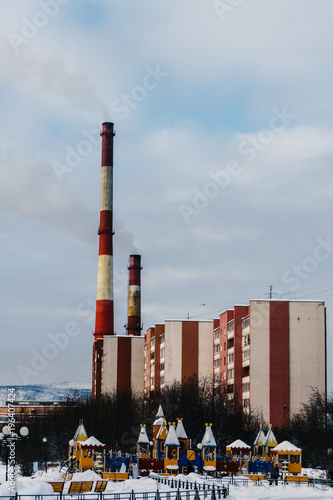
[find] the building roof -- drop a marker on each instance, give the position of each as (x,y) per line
(238,445)
(259,440)
(92,442)
(208,441)
(270,439)
(180,430)
(171,439)
(143,437)
(80,433)
(286,446)
(160,412)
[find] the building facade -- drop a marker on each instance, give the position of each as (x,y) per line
(175,350)
(268,355)
(271,354)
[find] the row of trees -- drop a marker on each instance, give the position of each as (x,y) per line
(115,420)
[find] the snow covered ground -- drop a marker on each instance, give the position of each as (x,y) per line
(39,486)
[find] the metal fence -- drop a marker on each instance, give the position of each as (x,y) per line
(177,494)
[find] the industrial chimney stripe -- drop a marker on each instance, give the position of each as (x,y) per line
(104,301)
(134,296)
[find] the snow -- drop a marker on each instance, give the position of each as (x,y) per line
(180,430)
(39,486)
(208,441)
(286,446)
(160,412)
(239,444)
(171,439)
(91,441)
(143,437)
(25,486)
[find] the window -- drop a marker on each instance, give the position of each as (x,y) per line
(152,380)
(162,367)
(217,334)
(152,344)
(230,326)
(216,348)
(225,330)
(245,354)
(152,355)
(224,360)
(216,363)
(246,387)
(162,338)
(245,322)
(225,346)
(246,340)
(216,379)
(162,381)
(246,403)
(162,352)
(231,358)
(231,373)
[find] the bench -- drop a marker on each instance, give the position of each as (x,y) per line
(57,486)
(297,479)
(115,476)
(78,487)
(100,486)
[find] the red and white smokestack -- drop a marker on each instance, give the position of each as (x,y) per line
(134,296)
(104,324)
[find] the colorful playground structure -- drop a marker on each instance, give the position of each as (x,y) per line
(170,452)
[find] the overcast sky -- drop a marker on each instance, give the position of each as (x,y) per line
(222,164)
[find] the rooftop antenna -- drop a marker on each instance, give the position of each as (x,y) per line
(270,291)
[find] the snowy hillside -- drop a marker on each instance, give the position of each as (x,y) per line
(44,392)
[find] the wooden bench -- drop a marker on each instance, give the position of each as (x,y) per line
(297,479)
(57,486)
(100,486)
(78,487)
(115,476)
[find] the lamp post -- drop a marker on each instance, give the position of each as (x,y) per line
(71,457)
(44,446)
(8,438)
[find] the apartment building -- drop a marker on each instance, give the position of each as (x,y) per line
(177,349)
(271,354)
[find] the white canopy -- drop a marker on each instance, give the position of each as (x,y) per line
(143,437)
(286,446)
(239,444)
(171,439)
(180,430)
(92,442)
(208,441)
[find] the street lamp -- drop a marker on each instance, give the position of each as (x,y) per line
(7,438)
(44,445)
(71,457)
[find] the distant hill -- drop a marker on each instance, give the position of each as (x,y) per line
(43,392)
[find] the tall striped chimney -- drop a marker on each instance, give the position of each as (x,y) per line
(104,323)
(134,296)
